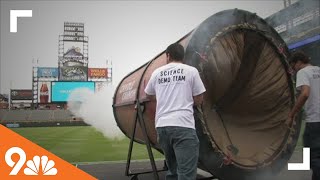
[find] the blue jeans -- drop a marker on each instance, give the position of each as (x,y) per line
(181,150)
(311,138)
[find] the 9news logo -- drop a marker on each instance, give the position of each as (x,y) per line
(22,159)
(33,166)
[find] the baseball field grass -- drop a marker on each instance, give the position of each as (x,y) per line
(83,144)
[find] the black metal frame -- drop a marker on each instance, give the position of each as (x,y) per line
(139,118)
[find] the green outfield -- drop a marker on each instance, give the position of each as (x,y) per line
(83,144)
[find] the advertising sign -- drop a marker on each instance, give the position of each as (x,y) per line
(21,94)
(95,73)
(44,92)
(73,73)
(72,63)
(60,91)
(48,72)
(74,52)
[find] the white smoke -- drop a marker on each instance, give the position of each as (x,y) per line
(96,109)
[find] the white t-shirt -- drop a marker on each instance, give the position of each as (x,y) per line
(310,76)
(174,86)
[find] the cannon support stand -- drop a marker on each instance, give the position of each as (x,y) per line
(139,118)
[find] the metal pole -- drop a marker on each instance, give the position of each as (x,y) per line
(144,131)
(131,145)
(9,99)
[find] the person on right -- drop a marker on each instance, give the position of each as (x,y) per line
(308,86)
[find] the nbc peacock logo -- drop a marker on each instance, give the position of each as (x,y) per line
(47,166)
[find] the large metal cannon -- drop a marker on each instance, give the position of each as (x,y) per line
(241,124)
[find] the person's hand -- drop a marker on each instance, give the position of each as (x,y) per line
(290,119)
(291,116)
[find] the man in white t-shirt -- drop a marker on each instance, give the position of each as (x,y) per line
(177,87)
(308,85)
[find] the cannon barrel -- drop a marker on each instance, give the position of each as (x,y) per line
(241,125)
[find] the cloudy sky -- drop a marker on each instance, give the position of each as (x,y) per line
(129,33)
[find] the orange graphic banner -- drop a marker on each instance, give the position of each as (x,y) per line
(22,159)
(97,73)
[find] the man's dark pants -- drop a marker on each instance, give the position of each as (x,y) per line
(181,150)
(311,139)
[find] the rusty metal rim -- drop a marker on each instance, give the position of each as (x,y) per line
(277,155)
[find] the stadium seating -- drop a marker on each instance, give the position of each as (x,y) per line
(35,115)
(41,115)
(3,113)
(16,115)
(60,115)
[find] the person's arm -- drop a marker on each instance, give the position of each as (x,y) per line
(302,98)
(150,88)
(198,99)
(151,97)
(198,89)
